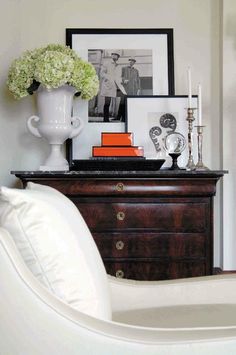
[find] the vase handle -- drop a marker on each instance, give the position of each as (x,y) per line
(77,128)
(34,130)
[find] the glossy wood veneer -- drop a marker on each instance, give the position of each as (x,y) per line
(147,225)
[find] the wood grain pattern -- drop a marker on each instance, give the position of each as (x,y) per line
(175,216)
(163,223)
(156,269)
(152,245)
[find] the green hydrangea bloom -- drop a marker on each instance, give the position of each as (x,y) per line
(51,66)
(53,69)
(84,79)
(90,88)
(60,48)
(21,75)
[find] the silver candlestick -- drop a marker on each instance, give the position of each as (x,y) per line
(200,166)
(190,118)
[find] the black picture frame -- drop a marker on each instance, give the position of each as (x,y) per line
(76,148)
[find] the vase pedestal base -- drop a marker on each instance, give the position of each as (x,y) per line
(55,161)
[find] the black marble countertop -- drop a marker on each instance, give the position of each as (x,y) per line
(162,173)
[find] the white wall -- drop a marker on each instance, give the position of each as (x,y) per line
(229,132)
(26,24)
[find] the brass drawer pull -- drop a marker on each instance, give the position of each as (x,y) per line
(120,186)
(120,274)
(120,245)
(120,216)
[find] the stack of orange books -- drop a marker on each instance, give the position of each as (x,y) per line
(117,145)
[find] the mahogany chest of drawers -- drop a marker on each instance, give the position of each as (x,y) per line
(147,225)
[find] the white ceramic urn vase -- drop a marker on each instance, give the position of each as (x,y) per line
(54,123)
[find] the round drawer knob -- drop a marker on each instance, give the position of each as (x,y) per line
(120,186)
(120,274)
(120,245)
(120,216)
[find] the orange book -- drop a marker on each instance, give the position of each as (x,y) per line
(118,152)
(117,139)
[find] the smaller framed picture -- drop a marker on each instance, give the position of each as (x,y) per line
(152,118)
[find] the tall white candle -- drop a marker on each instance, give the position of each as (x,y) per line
(189,88)
(199,105)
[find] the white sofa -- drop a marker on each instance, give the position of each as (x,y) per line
(188,316)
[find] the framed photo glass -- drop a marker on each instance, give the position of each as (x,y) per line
(128,62)
(152,118)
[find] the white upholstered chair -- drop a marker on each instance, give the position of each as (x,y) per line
(55,297)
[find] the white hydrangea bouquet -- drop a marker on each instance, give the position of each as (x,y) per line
(52,66)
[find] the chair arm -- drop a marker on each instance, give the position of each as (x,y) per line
(130,295)
(43,324)
(33,321)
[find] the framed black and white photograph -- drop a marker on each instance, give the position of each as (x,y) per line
(152,118)
(128,62)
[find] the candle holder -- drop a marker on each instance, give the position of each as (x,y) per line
(190,118)
(200,166)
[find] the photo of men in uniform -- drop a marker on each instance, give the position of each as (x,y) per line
(121,72)
(130,78)
(111,86)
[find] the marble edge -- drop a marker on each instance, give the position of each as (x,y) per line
(120,173)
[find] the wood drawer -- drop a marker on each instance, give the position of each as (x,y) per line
(161,220)
(150,245)
(129,187)
(162,217)
(155,269)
